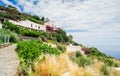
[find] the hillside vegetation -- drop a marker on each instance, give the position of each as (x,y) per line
(12,13)
(39,59)
(59,36)
(47,55)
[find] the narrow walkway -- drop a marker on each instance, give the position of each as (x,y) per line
(9,61)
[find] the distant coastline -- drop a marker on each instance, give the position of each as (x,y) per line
(112,50)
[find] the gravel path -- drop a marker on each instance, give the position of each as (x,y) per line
(9,61)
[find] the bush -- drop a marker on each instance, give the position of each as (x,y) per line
(61,48)
(116,65)
(31,33)
(78,54)
(61,36)
(109,62)
(105,70)
(8,36)
(1,38)
(82,61)
(1,41)
(11,27)
(95,52)
(85,50)
(29,51)
(14,38)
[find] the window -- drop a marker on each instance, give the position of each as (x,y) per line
(38,27)
(31,25)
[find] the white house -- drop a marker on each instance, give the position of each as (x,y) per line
(73,48)
(42,27)
(29,24)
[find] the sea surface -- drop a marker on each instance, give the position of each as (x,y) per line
(112,50)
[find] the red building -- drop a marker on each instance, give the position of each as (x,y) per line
(50,27)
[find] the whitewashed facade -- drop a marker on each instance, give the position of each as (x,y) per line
(29,24)
(73,48)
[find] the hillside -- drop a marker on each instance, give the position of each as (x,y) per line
(11,12)
(45,53)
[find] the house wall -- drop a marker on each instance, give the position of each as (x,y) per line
(29,24)
(50,27)
(42,27)
(72,48)
(56,28)
(48,24)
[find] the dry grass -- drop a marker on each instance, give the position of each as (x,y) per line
(63,66)
(58,66)
(117,73)
(94,70)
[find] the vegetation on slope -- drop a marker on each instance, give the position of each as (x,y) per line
(11,27)
(57,66)
(29,51)
(7,36)
(59,36)
(11,12)
(62,65)
(81,60)
(39,59)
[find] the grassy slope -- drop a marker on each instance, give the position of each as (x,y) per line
(60,65)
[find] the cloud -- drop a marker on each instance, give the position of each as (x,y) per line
(79,30)
(101,18)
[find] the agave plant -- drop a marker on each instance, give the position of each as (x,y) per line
(7,36)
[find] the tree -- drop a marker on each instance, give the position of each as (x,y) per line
(10,6)
(43,19)
(36,17)
(47,20)
(70,37)
(11,27)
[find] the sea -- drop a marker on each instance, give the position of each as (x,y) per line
(111,50)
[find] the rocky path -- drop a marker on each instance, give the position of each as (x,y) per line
(9,61)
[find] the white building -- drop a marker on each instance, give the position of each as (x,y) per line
(73,48)
(29,24)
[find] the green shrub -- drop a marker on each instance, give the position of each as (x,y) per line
(61,36)
(11,27)
(14,38)
(82,61)
(105,70)
(8,36)
(1,38)
(1,41)
(78,54)
(95,52)
(29,51)
(61,48)
(109,62)
(116,65)
(34,33)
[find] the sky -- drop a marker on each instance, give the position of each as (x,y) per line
(91,22)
